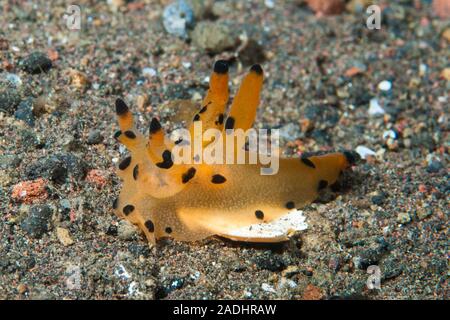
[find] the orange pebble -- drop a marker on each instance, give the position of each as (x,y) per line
(30,191)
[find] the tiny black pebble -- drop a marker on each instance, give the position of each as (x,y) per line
(121,107)
(188,175)
(115,203)
(130,134)
(117,134)
(290,205)
(169,230)
(125,163)
(259,214)
(150,226)
(203,109)
(323,184)
(128,209)
(197,117)
(155,126)
(217,179)
(219,119)
(167,162)
(136,172)
(257,68)
(229,124)
(308,162)
(221,66)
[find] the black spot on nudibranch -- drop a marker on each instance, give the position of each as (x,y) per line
(219,119)
(167,162)
(128,209)
(352,157)
(117,134)
(203,109)
(229,124)
(290,205)
(257,69)
(130,134)
(115,203)
(308,162)
(188,175)
(168,230)
(259,214)
(155,126)
(150,226)
(125,163)
(121,107)
(221,66)
(197,117)
(323,184)
(136,172)
(218,179)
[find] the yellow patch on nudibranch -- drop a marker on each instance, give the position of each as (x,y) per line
(193,201)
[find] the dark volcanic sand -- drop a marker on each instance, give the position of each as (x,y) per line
(391,211)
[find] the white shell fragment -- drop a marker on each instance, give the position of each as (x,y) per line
(375,108)
(385,85)
(364,152)
(276,230)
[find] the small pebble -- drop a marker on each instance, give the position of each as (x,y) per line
(36,63)
(389,134)
(213,37)
(326,7)
(38,221)
(149,72)
(423,213)
(269,4)
(435,166)
(13,79)
(126,230)
(178,17)
(268,288)
(94,137)
(22,288)
(385,85)
(24,112)
(375,108)
(64,236)
(403,217)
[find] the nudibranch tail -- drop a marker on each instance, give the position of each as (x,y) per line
(193,200)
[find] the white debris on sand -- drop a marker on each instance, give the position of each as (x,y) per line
(375,108)
(364,152)
(279,228)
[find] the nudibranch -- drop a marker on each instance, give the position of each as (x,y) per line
(192,201)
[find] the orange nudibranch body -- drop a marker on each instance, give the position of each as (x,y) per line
(192,201)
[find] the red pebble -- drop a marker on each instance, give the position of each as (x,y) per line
(30,191)
(442,8)
(327,7)
(97,177)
